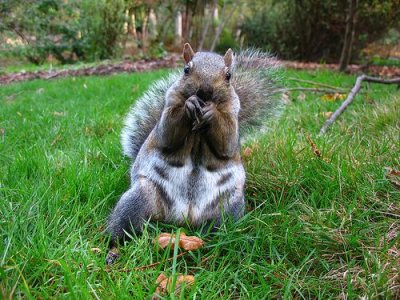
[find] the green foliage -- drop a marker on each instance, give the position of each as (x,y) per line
(314,228)
(66,30)
(314,30)
(101,27)
(226,41)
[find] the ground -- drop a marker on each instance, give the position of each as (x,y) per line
(316,227)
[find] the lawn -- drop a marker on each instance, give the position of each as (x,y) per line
(316,227)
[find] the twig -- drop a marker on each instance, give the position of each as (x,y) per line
(316,90)
(147,266)
(356,88)
(317,83)
(314,147)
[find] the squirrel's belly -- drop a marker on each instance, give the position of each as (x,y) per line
(193,189)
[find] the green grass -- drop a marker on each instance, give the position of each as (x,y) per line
(315,228)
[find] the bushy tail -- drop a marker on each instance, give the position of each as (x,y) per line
(144,115)
(254,81)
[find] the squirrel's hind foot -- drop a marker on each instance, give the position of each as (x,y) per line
(112,256)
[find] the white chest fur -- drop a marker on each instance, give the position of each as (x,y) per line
(191,188)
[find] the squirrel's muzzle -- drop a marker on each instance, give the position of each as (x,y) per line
(205,93)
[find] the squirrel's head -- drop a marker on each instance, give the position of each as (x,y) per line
(207,75)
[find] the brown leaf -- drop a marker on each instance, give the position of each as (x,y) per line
(333,97)
(95,250)
(2,134)
(314,147)
(393,176)
(286,98)
(327,114)
(247,152)
(59,113)
(301,96)
(164,283)
(187,243)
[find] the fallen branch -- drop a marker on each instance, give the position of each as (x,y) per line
(304,89)
(317,84)
(356,88)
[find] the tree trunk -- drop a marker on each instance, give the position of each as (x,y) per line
(178,28)
(152,25)
(221,25)
(133,25)
(349,36)
(209,20)
(144,31)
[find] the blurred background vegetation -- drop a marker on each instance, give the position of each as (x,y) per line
(68,31)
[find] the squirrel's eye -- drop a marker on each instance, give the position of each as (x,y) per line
(228,75)
(186,69)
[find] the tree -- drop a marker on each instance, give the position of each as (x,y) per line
(351,21)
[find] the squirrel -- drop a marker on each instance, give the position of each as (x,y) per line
(184,142)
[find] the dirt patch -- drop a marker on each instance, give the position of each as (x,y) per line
(172,61)
(382,71)
(102,69)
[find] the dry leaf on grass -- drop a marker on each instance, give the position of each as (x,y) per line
(59,113)
(393,176)
(96,250)
(164,284)
(247,152)
(327,114)
(186,242)
(333,97)
(301,97)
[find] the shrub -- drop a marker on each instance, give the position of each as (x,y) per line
(313,29)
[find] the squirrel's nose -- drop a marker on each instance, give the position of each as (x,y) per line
(205,93)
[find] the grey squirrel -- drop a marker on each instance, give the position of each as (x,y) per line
(183,139)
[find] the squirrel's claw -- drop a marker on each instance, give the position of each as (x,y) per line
(206,116)
(112,256)
(193,107)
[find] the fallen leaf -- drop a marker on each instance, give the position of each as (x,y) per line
(333,97)
(327,114)
(391,171)
(59,113)
(393,176)
(187,243)
(95,250)
(314,147)
(164,283)
(2,133)
(301,96)
(247,152)
(286,98)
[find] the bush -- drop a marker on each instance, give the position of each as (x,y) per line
(66,30)
(101,29)
(314,30)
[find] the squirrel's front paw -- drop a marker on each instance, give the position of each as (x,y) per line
(208,112)
(193,107)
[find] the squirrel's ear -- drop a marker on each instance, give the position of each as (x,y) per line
(228,58)
(188,53)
